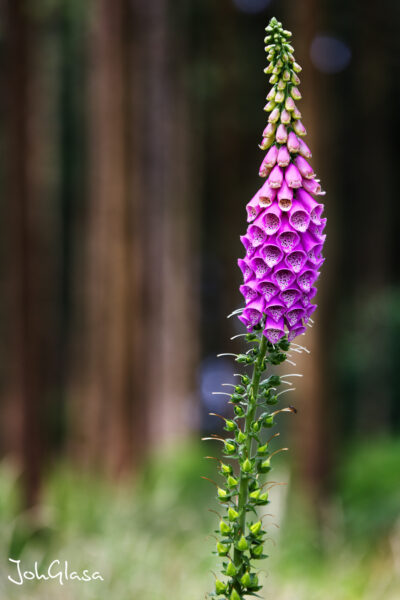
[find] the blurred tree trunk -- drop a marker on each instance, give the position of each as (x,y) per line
(168,183)
(26,321)
(372,268)
(103,416)
(140,316)
(313,426)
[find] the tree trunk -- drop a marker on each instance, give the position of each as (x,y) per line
(168,221)
(27,326)
(103,415)
(313,424)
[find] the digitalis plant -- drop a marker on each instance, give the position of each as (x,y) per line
(283,245)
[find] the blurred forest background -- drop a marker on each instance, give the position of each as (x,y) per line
(128,145)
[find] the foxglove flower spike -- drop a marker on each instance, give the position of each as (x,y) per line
(283,252)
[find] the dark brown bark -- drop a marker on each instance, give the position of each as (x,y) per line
(103,415)
(137,372)
(169,188)
(26,326)
(314,424)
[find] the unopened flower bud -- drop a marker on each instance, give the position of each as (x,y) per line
(281,85)
(239,411)
(293,143)
(224,527)
(295,93)
(239,389)
(235,398)
(275,178)
(312,186)
(230,425)
(270,106)
(304,167)
(271,94)
(296,67)
(242,359)
(272,400)
(285,117)
(266,143)
(255,495)
(222,549)
(232,514)
(274,116)
(269,130)
(299,128)
(234,595)
(226,469)
(246,580)
(242,544)
(222,494)
(265,466)
(286,75)
(292,176)
(280,96)
(220,587)
(264,496)
(257,551)
(263,449)
(295,79)
(283,157)
(281,134)
(268,421)
(270,157)
(296,113)
(246,466)
(230,448)
(232,481)
(304,150)
(231,570)
(255,528)
(289,104)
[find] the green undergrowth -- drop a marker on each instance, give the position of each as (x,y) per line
(149,537)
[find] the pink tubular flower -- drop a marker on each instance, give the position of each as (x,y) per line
(293,144)
(285,196)
(269,160)
(283,157)
(304,150)
(281,134)
(299,128)
(276,177)
(292,176)
(304,167)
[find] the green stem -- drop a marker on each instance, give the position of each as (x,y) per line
(251,410)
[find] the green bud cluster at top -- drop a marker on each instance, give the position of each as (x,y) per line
(241,535)
(284,79)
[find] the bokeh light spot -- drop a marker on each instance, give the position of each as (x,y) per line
(252,6)
(329,54)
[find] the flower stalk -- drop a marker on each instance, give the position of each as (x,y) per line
(249,421)
(283,246)
(241,539)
